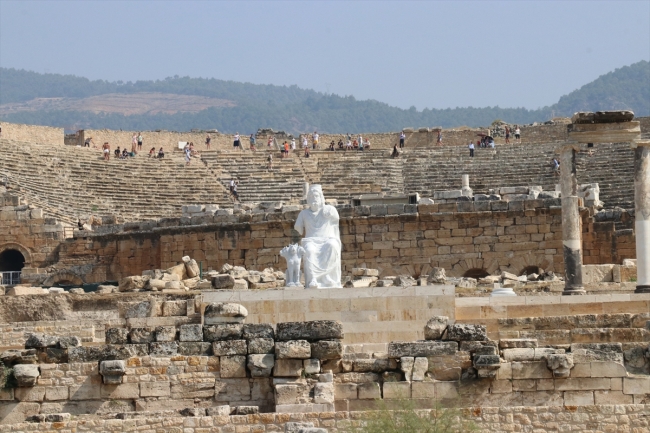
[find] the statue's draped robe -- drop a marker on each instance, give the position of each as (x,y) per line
(322,243)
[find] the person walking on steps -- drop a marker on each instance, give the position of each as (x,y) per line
(402,137)
(518,135)
(507,134)
(139,141)
(251,139)
(471,149)
(269,160)
(439,141)
(208,139)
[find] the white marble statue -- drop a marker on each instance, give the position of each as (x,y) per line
(293,255)
(322,242)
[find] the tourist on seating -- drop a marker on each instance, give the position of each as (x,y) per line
(507,134)
(314,139)
(125,153)
(106,148)
(518,134)
(269,160)
(234,191)
(359,142)
(251,139)
(237,144)
(152,152)
(139,141)
(118,152)
(439,141)
(402,137)
(348,146)
(395,153)
(340,143)
(208,139)
(161,153)
(491,143)
(134,143)
(556,166)
(471,149)
(366,144)
(307,152)
(188,154)
(270,142)
(332,144)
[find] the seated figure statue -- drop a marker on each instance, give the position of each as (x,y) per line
(322,241)
(293,255)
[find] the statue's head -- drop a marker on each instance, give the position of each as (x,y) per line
(293,248)
(315,198)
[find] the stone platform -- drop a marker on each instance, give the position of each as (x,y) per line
(369,315)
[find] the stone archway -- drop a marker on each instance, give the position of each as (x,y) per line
(11,261)
(12,246)
(66,277)
(476,273)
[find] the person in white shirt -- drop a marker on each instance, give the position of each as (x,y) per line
(471,149)
(293,144)
(402,137)
(237,143)
(314,139)
(304,142)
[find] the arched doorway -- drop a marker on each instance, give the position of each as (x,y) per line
(11,264)
(476,273)
(529,270)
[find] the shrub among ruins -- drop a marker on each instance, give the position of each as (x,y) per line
(7,379)
(404,417)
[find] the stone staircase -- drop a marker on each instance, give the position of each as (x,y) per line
(67,182)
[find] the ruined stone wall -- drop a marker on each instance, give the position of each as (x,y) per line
(24,228)
(32,133)
(396,239)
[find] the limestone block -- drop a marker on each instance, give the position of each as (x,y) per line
(191,332)
(310,331)
(21,290)
(435,327)
(26,374)
(246,410)
(191,267)
(192,283)
(487,362)
(233,366)
(261,365)
(140,309)
(523,354)
(173,285)
(421,348)
(133,284)
(223,410)
(295,427)
(345,391)
(466,332)
(597,273)
(233,389)
(328,376)
(193,387)
(41,341)
(155,389)
(178,270)
(140,336)
(288,368)
(370,365)
(406,365)
(517,343)
(578,398)
(420,367)
(261,346)
(174,308)
(397,390)
(229,347)
(292,394)
(588,352)
(163,348)
(112,371)
(624,274)
(218,312)
(195,349)
(530,370)
(356,377)
(607,369)
(223,281)
(311,366)
(124,391)
(116,336)
(323,393)
(223,331)
(258,330)
(240,284)
(298,349)
(238,272)
(165,333)
(638,385)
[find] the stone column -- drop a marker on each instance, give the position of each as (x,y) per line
(642,213)
(465,189)
(571,230)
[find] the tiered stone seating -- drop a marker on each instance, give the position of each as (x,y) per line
(69,181)
(256,182)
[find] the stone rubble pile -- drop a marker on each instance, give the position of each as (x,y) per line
(239,278)
(182,277)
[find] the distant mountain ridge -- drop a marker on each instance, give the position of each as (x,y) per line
(290,108)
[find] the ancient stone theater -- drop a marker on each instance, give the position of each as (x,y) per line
(252,291)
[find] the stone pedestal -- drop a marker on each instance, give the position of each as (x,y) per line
(571,230)
(466,190)
(642,213)
(502,291)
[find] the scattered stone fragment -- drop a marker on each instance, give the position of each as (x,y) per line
(435,327)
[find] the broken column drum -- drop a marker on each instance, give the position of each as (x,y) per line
(642,213)
(571,231)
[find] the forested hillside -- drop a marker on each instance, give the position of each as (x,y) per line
(294,109)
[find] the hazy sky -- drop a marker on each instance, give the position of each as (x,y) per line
(434,54)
